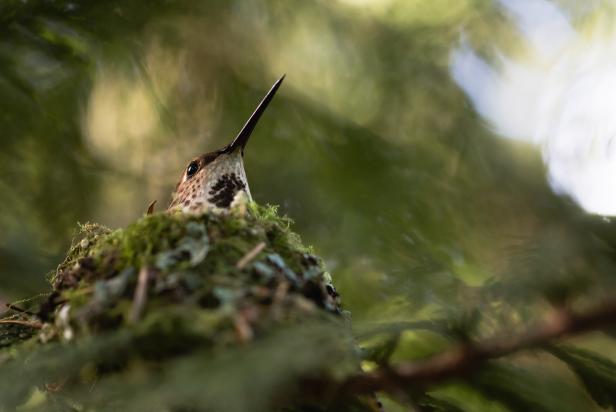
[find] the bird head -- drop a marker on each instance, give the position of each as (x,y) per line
(213,180)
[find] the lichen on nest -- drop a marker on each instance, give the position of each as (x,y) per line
(172,287)
(241,266)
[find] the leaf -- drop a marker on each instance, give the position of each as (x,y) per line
(431,404)
(530,388)
(381,352)
(597,373)
(457,397)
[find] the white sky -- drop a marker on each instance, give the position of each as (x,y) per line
(561,97)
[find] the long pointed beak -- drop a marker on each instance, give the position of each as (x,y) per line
(244,134)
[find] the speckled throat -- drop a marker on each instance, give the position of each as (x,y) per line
(214,186)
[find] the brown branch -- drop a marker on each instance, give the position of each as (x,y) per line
(141,295)
(463,359)
(32,324)
(248,257)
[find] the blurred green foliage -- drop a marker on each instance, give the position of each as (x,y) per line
(421,213)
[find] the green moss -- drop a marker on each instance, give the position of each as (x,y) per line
(176,285)
(192,260)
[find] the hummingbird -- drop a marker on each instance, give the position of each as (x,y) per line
(214,180)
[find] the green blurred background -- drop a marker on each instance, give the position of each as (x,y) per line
(418,208)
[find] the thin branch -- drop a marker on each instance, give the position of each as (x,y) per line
(18,309)
(32,324)
(463,359)
(248,257)
(141,295)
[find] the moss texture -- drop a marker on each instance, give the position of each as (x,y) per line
(174,287)
(224,264)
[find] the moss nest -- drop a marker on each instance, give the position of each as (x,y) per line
(171,291)
(245,270)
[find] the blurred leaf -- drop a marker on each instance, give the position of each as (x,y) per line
(381,352)
(247,378)
(432,404)
(597,373)
(530,389)
(462,396)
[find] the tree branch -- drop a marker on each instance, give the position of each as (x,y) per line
(463,359)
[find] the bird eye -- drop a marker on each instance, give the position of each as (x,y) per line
(192,168)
